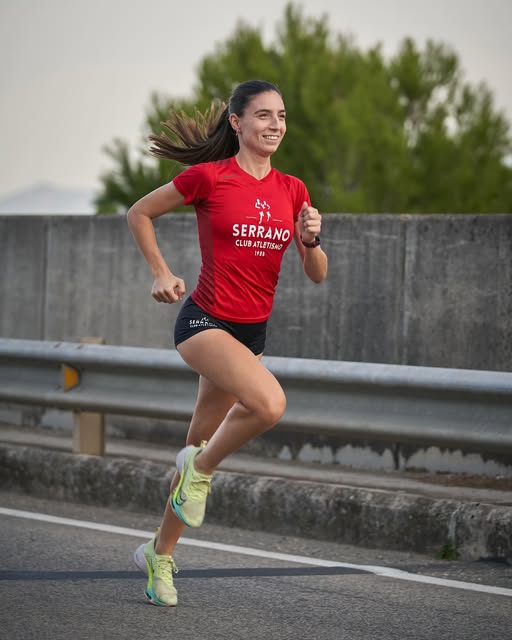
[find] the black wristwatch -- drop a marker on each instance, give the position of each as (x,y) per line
(311,245)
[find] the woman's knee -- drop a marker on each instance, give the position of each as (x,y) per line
(272,408)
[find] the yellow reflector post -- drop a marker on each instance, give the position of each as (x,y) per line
(70,377)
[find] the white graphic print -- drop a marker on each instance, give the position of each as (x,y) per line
(264,235)
(264,208)
(202,323)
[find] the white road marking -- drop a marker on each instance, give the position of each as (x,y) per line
(386,572)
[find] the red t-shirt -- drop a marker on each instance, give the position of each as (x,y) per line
(244,227)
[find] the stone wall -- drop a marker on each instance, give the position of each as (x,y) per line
(430,290)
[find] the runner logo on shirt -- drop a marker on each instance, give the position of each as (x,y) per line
(262,235)
(264,210)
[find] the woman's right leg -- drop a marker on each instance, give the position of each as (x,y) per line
(238,400)
(231,366)
(237,386)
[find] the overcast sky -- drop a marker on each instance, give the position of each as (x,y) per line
(77,73)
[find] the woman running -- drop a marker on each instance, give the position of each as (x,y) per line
(247,215)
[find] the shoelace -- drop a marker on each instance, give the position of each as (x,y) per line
(199,486)
(165,567)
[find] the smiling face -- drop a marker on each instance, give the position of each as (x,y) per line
(262,125)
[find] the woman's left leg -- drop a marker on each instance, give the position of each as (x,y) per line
(212,406)
(155,557)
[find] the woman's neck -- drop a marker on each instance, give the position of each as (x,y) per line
(256,166)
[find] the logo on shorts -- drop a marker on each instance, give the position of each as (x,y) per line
(202,323)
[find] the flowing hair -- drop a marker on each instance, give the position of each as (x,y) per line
(207,136)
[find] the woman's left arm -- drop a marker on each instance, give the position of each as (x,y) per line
(307,230)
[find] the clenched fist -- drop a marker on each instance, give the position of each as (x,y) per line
(168,289)
(310,222)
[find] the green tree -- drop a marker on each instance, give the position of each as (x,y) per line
(365,134)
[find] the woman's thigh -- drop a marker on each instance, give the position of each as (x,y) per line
(230,368)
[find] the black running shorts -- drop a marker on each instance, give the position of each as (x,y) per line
(192,319)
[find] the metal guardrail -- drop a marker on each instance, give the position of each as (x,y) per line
(392,403)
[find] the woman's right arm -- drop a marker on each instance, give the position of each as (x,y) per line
(166,287)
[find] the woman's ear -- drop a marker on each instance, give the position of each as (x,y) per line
(234,122)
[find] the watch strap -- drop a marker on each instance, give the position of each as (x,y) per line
(311,245)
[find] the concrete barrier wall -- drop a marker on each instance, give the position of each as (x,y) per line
(22,276)
(418,290)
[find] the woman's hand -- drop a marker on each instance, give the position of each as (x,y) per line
(307,228)
(310,222)
(168,289)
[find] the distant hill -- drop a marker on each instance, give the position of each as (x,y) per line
(47,199)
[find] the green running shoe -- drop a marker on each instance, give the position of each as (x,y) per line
(160,589)
(189,497)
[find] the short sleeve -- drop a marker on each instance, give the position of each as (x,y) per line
(299,195)
(196,182)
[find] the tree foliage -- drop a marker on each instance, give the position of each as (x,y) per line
(365,133)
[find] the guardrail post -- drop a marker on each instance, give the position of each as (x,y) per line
(89,427)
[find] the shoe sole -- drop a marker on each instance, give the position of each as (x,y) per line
(158,603)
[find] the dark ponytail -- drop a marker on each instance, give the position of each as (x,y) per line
(208,136)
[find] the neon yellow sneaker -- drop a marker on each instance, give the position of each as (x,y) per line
(160,589)
(189,497)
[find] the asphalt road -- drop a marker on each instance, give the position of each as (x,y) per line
(60,580)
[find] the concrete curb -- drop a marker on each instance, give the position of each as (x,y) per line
(344,514)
